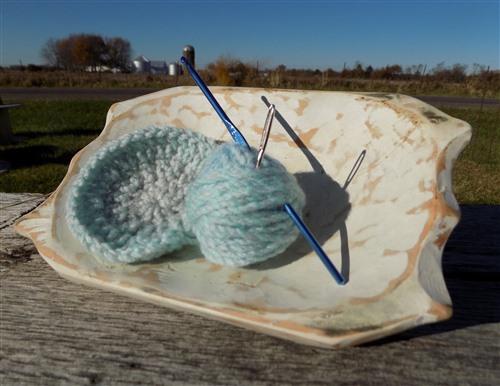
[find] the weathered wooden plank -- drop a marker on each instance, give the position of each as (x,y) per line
(14,248)
(14,205)
(55,332)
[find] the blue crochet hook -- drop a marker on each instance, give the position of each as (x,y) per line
(339,278)
(239,139)
(235,133)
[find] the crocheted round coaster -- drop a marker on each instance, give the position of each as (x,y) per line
(126,204)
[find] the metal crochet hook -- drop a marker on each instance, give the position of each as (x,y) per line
(265,134)
(235,133)
(238,138)
(339,278)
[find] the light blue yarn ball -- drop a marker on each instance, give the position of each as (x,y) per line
(236,210)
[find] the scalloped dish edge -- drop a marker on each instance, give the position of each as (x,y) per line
(37,226)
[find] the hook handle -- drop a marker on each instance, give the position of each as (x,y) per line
(235,133)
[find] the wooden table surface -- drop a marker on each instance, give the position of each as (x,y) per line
(56,332)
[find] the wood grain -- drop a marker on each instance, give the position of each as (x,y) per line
(56,332)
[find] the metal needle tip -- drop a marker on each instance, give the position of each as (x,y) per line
(265,134)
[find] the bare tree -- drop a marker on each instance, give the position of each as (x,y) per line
(64,52)
(49,53)
(456,73)
(118,52)
(86,51)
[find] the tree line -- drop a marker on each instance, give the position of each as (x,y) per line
(230,71)
(87,52)
(92,52)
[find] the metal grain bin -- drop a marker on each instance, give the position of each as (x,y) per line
(142,64)
(174,69)
(188,53)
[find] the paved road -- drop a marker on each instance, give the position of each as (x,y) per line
(110,94)
(120,94)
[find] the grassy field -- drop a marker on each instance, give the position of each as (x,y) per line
(53,131)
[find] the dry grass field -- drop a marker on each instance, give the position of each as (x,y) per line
(485,84)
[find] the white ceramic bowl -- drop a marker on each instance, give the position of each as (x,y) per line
(385,227)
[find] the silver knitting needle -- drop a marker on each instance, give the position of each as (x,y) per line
(265,134)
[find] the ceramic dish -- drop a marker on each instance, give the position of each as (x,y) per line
(376,170)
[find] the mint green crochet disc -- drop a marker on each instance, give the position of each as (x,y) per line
(126,204)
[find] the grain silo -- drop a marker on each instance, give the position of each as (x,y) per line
(142,64)
(174,69)
(188,53)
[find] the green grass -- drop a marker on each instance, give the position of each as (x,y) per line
(68,117)
(485,143)
(53,131)
(476,177)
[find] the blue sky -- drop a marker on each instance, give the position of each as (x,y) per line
(307,34)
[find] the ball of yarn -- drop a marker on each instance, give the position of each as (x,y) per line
(236,210)
(126,203)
